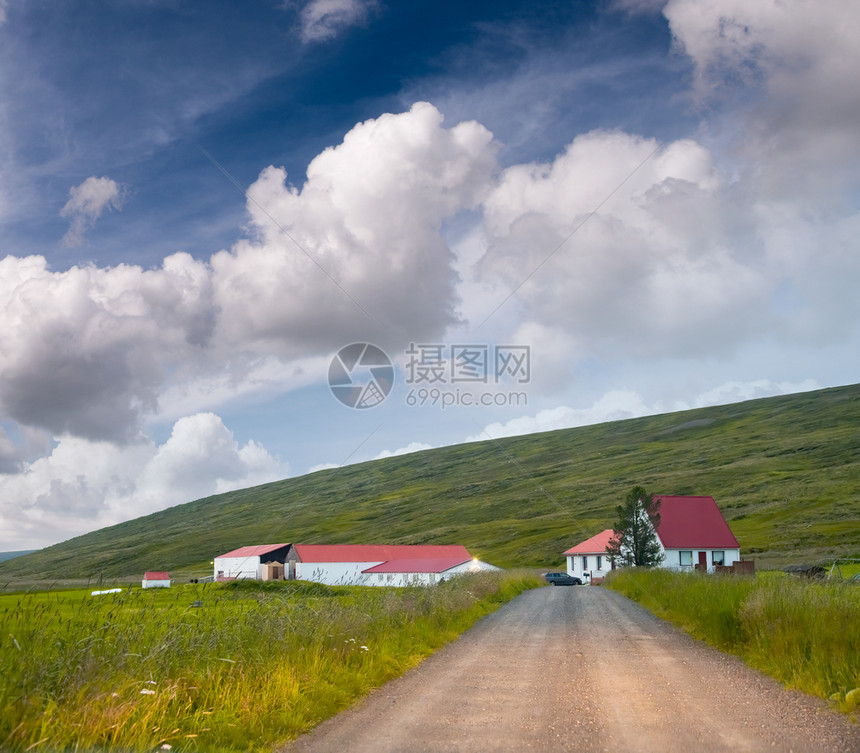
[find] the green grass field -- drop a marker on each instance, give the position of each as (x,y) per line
(805,633)
(251,665)
(784,470)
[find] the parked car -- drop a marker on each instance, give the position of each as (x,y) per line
(562,579)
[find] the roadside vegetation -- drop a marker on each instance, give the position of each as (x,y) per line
(802,632)
(215,667)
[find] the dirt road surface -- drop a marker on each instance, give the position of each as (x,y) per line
(581,669)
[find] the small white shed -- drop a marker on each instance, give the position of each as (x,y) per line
(156,579)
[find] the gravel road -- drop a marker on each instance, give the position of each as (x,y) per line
(585,669)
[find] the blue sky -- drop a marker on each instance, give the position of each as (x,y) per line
(201,204)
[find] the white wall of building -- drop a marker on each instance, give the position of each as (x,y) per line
(238,567)
(587,566)
(350,574)
(155,583)
(402,579)
(337,573)
(672,558)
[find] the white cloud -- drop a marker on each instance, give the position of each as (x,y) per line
(736,392)
(788,71)
(86,204)
(370,214)
(661,268)
(325,19)
(86,351)
(323,467)
(92,352)
(618,405)
(410,448)
(613,406)
(83,484)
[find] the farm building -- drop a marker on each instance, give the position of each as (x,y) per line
(588,559)
(692,532)
(380,565)
(156,579)
(261,562)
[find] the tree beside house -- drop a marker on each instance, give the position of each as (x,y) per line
(635,541)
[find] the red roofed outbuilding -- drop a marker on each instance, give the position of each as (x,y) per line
(156,579)
(692,532)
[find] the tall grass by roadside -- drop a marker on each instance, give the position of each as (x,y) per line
(805,634)
(250,665)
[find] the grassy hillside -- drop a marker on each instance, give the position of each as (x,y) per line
(784,470)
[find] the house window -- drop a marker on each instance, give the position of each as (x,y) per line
(599,562)
(584,563)
(686,559)
(379,577)
(718,558)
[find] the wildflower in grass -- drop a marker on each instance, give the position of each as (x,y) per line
(147,691)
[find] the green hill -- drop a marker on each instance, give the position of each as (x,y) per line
(784,470)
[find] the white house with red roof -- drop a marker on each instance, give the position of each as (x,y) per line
(692,532)
(155,579)
(381,564)
(588,559)
(249,561)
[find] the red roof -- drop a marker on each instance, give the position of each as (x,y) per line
(423,565)
(378,552)
(253,551)
(693,522)
(156,575)
(595,545)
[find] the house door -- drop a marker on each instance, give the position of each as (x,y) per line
(703,561)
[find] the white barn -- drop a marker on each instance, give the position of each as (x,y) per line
(380,565)
(255,562)
(155,579)
(692,533)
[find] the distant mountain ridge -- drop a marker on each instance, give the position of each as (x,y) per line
(11,555)
(784,470)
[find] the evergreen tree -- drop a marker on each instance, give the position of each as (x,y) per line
(635,540)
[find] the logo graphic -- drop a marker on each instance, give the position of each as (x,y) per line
(360,375)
